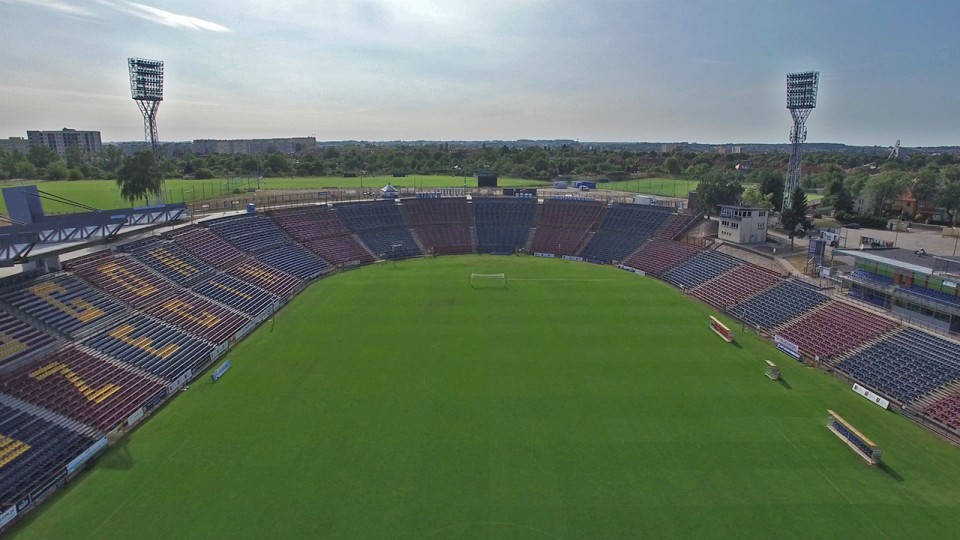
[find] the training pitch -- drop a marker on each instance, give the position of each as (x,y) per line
(396,401)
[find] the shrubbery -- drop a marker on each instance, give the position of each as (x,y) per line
(871,222)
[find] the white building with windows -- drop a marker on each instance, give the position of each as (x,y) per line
(743,225)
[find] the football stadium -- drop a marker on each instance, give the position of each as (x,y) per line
(462,367)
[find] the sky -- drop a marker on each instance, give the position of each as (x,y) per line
(599,70)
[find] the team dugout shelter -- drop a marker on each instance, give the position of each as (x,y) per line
(914,284)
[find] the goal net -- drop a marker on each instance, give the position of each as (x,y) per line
(488,281)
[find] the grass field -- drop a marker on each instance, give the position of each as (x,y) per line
(663,187)
(104,194)
(395,401)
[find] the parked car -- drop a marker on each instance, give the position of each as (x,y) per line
(851,225)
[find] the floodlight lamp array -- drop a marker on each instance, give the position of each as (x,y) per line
(146,79)
(802,90)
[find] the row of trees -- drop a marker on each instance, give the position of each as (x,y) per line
(879,188)
(843,177)
(533,162)
(43,163)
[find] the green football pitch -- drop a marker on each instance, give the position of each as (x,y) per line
(396,401)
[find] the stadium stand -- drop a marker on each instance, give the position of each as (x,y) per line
(252,233)
(381,227)
(658,256)
(443,225)
(208,246)
(866,295)
(199,316)
(834,329)
(127,279)
(236,293)
(701,268)
(624,229)
(83,260)
(778,305)
(564,225)
(82,384)
(320,230)
(266,277)
(309,223)
(295,260)
(674,226)
(161,349)
(171,261)
(343,250)
(18,339)
(64,303)
(735,286)
(503,225)
(946,411)
(867,275)
(905,365)
(33,453)
(932,295)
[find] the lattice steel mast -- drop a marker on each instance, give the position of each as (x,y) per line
(146,87)
(801,99)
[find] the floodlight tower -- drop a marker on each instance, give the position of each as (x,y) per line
(801,99)
(146,87)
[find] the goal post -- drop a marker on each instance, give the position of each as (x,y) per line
(489,281)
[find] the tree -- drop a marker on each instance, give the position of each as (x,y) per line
(856,182)
(837,197)
(73,156)
(886,187)
(926,186)
(754,198)
(139,177)
(111,158)
(41,156)
(949,199)
(57,171)
(672,165)
(796,215)
(770,182)
(716,188)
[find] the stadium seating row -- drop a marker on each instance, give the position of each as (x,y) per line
(705,266)
(659,256)
(737,285)
(564,226)
(835,329)
(503,224)
(624,228)
(905,365)
(778,305)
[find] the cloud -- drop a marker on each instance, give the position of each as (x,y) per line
(164,17)
(64,8)
(135,9)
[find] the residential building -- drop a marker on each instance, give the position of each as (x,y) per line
(15,143)
(87,141)
(293,145)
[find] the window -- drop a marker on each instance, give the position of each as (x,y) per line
(760,225)
(762,213)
